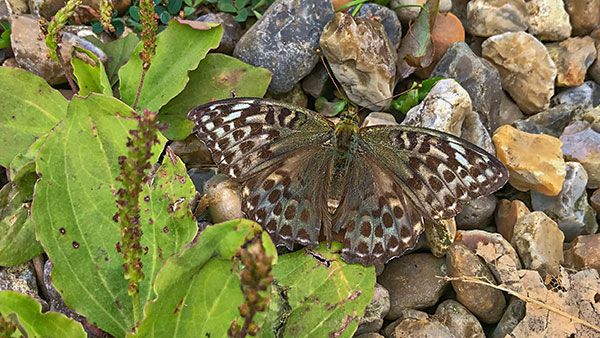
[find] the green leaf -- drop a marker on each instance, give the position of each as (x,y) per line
(188,10)
(97,27)
(179,49)
(198,289)
(165,17)
(227,6)
(30,108)
(330,109)
(134,13)
(242,15)
(174,6)
(89,72)
(26,311)
(119,51)
(316,294)
(214,79)
(74,205)
(239,4)
(416,47)
(5,39)
(17,243)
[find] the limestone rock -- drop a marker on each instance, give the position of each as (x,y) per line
(476,213)
(509,111)
(511,317)
(460,321)
(485,302)
(548,20)
(386,17)
(581,143)
(487,18)
(586,96)
(192,151)
(551,121)
(478,77)
(572,58)
(443,109)
(362,59)
(446,31)
(538,241)
(526,69)
(379,118)
(406,14)
(31,53)
(570,208)
(231,30)
(475,132)
(223,198)
(584,15)
(317,83)
(372,320)
(507,214)
(284,40)
(583,253)
(440,235)
(543,170)
(421,329)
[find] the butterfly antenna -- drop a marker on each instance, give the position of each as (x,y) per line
(331,76)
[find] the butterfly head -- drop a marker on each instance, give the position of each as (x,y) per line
(349,116)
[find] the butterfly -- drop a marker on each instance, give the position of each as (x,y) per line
(301,174)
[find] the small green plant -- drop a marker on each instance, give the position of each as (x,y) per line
(330,109)
(5,36)
(416,94)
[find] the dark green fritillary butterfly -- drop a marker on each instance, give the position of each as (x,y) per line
(302,174)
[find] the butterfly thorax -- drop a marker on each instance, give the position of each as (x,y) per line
(345,139)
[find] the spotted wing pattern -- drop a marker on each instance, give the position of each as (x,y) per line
(401,175)
(276,152)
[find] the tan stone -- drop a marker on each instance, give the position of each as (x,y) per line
(548,20)
(525,67)
(507,214)
(583,253)
(572,58)
(538,241)
(447,30)
(584,15)
(534,161)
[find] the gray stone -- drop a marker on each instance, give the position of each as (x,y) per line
(4,13)
(19,278)
(418,328)
(548,20)
(412,283)
(193,152)
(475,132)
(369,335)
(551,121)
(586,95)
(372,320)
(200,176)
(509,111)
(384,16)
(539,241)
(295,96)
(570,208)
(317,83)
(362,59)
(525,67)
(444,108)
(483,301)
(284,40)
(478,77)
(487,18)
(231,30)
(17,7)
(510,319)
(477,213)
(460,321)
(581,143)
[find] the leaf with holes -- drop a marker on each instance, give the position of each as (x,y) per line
(302,175)
(199,289)
(316,294)
(30,108)
(74,205)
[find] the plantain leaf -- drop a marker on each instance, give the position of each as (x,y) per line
(89,72)
(26,313)
(217,77)
(74,205)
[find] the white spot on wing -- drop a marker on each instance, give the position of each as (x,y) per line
(240,106)
(461,159)
(457,147)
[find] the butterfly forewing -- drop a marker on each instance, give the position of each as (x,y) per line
(438,171)
(285,159)
(247,135)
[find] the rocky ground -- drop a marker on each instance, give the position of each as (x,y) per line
(525,261)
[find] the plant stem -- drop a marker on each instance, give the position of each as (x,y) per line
(136,307)
(137,95)
(65,70)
